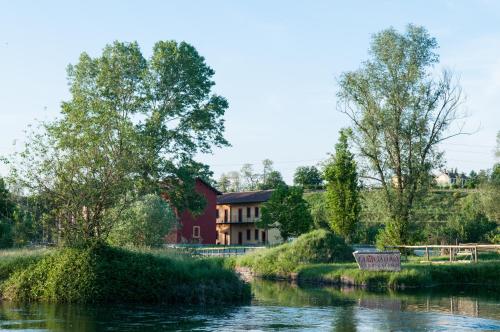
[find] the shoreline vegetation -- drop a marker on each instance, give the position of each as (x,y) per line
(293,262)
(100,273)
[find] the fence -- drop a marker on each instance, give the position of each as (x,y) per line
(470,250)
(225,252)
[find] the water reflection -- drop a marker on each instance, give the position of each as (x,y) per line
(276,307)
(467,302)
(355,309)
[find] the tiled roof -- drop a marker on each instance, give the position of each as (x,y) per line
(245,197)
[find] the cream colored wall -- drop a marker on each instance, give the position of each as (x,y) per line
(221,209)
(234,227)
(233,212)
(272,235)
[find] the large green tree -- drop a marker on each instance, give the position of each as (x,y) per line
(131,127)
(342,189)
(287,211)
(308,177)
(400,111)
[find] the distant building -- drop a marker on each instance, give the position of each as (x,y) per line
(237,214)
(450,178)
(200,229)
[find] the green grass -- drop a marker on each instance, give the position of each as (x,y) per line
(100,273)
(412,275)
(12,260)
(318,246)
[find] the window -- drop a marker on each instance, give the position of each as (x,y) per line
(264,236)
(256,235)
(248,234)
(256,212)
(225,215)
(217,213)
(248,212)
(196,232)
(240,215)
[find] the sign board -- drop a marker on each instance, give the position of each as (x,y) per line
(378,260)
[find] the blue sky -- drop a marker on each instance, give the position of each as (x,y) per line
(277,63)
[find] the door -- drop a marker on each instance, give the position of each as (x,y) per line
(240,238)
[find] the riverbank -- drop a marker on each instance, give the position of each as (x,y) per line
(286,262)
(412,275)
(104,274)
(276,306)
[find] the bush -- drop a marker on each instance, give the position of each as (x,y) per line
(144,223)
(470,224)
(19,259)
(99,273)
(319,246)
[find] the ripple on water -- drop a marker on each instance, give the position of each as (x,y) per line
(276,307)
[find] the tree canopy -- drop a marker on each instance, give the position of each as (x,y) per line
(400,111)
(308,177)
(342,189)
(131,127)
(287,211)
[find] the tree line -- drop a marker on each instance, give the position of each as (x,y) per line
(132,127)
(399,110)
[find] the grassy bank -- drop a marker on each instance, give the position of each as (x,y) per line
(101,273)
(290,261)
(412,275)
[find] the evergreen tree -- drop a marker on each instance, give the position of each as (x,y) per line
(342,191)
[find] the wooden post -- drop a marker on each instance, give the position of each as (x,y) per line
(451,254)
(475,254)
(427,253)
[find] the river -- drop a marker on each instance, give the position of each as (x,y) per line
(276,307)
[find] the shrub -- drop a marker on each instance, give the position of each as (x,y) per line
(144,223)
(318,246)
(16,260)
(100,273)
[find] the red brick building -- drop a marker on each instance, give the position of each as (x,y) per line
(201,229)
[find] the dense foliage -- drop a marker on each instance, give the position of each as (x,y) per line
(400,112)
(287,211)
(145,222)
(131,127)
(444,216)
(308,177)
(342,189)
(105,274)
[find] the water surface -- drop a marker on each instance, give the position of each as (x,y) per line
(276,307)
